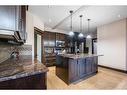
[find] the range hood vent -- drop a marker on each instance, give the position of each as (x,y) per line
(10,35)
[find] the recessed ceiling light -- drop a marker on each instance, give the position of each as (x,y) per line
(119,16)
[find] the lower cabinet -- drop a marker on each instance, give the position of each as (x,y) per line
(73,70)
(70,70)
(37,81)
(80,68)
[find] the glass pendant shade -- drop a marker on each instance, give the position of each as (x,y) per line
(71,33)
(88,37)
(81,35)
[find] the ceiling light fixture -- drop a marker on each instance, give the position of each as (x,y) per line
(71,33)
(88,36)
(80,34)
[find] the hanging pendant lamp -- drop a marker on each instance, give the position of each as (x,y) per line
(71,33)
(80,34)
(88,36)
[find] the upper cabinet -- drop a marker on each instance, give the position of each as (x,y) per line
(61,40)
(7,17)
(60,37)
(49,39)
(13,18)
(21,21)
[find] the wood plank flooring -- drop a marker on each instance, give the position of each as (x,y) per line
(106,79)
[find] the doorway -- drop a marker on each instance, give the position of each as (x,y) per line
(38,44)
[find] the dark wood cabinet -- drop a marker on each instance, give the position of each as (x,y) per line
(13,18)
(60,37)
(91,65)
(52,42)
(77,69)
(82,68)
(89,62)
(45,38)
(71,70)
(94,65)
(37,81)
(49,39)
(22,21)
(8,17)
(61,40)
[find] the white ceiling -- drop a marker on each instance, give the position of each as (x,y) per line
(99,15)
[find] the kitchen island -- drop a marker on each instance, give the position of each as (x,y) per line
(23,73)
(73,67)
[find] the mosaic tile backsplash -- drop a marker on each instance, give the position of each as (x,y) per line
(6,50)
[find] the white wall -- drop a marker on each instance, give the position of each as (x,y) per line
(31,22)
(112,44)
(30,31)
(38,23)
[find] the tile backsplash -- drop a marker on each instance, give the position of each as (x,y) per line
(6,50)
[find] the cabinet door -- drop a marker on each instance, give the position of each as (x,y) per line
(88,65)
(46,38)
(95,64)
(57,36)
(82,68)
(62,37)
(51,39)
(7,17)
(73,70)
(21,21)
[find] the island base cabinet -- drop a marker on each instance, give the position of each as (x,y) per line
(81,68)
(75,69)
(37,81)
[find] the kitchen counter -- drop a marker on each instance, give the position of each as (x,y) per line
(78,56)
(23,66)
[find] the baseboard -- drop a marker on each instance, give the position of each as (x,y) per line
(113,69)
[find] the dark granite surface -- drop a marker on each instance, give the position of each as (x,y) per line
(20,67)
(78,56)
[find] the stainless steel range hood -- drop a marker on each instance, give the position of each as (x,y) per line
(10,35)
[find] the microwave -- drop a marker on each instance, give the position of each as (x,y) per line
(60,43)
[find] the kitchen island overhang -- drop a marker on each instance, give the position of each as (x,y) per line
(73,67)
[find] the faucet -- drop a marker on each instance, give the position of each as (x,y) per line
(14,54)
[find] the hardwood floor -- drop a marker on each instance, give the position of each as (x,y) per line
(105,79)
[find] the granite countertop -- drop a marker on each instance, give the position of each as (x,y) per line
(78,56)
(20,67)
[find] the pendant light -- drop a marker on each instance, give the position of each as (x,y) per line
(88,36)
(71,33)
(80,34)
